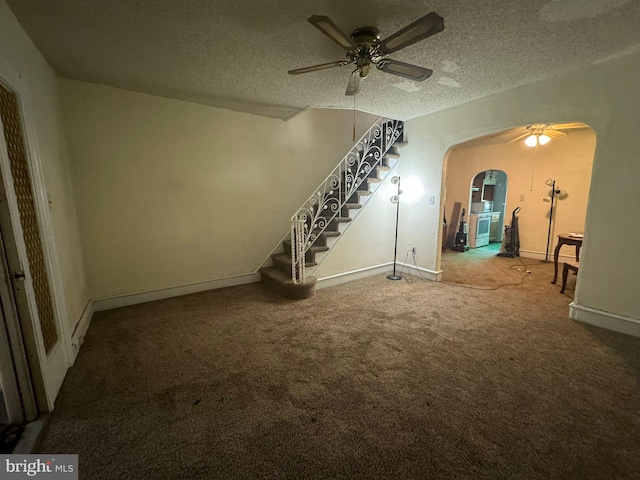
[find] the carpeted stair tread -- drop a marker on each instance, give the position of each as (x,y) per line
(313,248)
(279,281)
(353,206)
(285,259)
(330,233)
(318,248)
(364,193)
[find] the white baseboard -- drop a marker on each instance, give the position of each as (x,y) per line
(77,337)
(345,277)
(599,318)
(118,301)
(433,275)
(541,255)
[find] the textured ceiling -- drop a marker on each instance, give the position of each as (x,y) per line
(235,54)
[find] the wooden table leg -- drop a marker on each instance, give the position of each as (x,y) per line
(565,274)
(556,254)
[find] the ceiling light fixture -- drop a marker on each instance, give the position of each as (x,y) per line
(537,139)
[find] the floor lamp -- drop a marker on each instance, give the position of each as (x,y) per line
(555,192)
(396,199)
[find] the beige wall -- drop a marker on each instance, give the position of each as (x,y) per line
(172,193)
(39,81)
(604,96)
(567,160)
(368,241)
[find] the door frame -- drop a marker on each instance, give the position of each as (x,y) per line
(17,389)
(47,371)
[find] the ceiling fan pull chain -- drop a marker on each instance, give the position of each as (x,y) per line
(354,118)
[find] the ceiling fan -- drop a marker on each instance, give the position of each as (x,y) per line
(541,133)
(364,48)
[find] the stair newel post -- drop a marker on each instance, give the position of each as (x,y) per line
(341,178)
(297,250)
(301,251)
(293,251)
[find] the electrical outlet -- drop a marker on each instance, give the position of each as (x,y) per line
(413,250)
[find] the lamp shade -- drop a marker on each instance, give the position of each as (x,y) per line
(543,139)
(531,140)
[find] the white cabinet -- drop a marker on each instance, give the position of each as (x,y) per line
(494,232)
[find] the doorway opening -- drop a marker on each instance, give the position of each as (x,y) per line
(487,204)
(523,172)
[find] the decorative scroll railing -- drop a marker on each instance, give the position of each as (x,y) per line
(329,199)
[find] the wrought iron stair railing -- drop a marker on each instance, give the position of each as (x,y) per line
(336,192)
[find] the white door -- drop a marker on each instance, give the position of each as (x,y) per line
(28,261)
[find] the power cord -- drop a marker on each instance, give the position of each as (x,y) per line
(526,273)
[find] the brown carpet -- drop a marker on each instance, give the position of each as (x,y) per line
(371,379)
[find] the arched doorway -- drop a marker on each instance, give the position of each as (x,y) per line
(486,206)
(528,169)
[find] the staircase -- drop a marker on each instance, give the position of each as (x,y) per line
(318,224)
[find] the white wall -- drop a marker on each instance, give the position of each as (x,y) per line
(567,160)
(172,193)
(604,96)
(39,80)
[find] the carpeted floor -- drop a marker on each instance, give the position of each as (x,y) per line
(371,379)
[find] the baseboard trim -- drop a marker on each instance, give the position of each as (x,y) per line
(541,255)
(30,438)
(77,337)
(117,301)
(599,318)
(433,275)
(344,277)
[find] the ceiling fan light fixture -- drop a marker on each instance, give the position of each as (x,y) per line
(543,139)
(531,140)
(365,48)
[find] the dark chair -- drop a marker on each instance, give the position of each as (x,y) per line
(573,266)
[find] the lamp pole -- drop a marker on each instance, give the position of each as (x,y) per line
(553,195)
(396,199)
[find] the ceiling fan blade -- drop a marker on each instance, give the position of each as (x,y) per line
(554,133)
(514,131)
(322,66)
(355,83)
(406,70)
(568,126)
(519,137)
(422,28)
(331,30)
